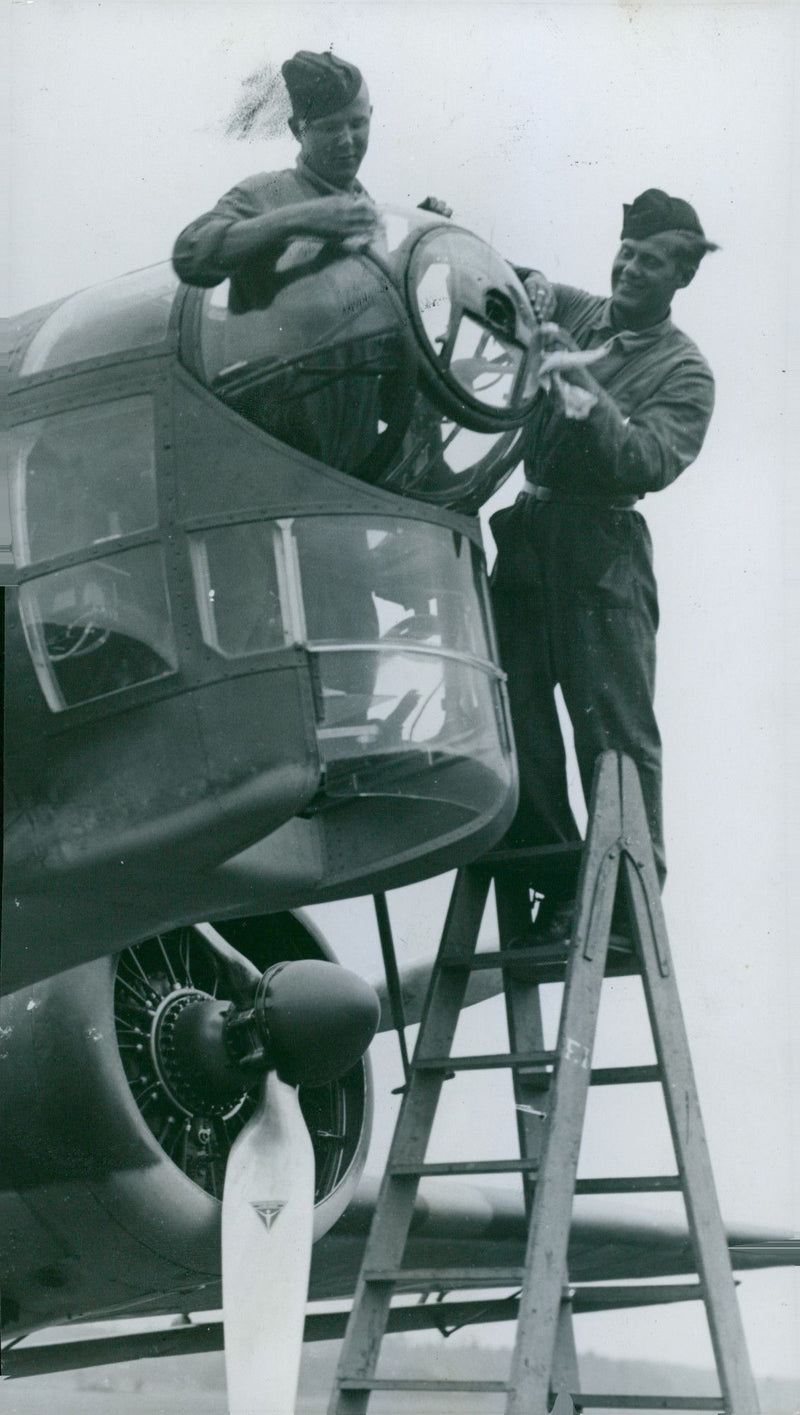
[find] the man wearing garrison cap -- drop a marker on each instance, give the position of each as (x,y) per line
(627,404)
(250,227)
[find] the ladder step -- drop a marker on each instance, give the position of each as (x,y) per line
(548,954)
(513,1166)
(586,1401)
(601,1076)
(624,1075)
(373,1383)
(445,1279)
(488,1062)
(637,1184)
(540,963)
(552,868)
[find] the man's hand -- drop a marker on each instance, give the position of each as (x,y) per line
(436,205)
(556,340)
(563,356)
(564,372)
(541,295)
(336,218)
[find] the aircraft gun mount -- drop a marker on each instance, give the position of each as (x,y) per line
(254,663)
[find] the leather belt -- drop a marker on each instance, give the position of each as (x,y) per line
(546,493)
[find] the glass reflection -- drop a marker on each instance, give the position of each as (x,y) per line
(417,703)
(132,312)
(394,616)
(366,580)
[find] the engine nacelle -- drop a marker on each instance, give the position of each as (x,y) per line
(112,1169)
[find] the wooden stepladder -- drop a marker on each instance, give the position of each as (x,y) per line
(615,876)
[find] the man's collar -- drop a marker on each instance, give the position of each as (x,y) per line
(326,188)
(628,338)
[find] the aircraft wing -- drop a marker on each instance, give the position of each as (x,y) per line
(615,1258)
(463,1226)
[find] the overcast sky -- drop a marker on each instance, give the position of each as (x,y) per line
(536,122)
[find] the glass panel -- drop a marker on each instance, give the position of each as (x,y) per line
(129,313)
(370,580)
(397,225)
(323,360)
(411,592)
(402,700)
(238,589)
(443,462)
(99,627)
(84,477)
(473,318)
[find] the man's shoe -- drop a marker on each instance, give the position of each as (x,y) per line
(558,928)
(550,943)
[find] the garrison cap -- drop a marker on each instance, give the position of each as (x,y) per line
(320,84)
(653,211)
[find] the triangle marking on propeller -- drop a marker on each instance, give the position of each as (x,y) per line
(268,1211)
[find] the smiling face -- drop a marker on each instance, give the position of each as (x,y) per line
(334,145)
(644,278)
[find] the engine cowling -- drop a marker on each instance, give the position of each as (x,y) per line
(113,1159)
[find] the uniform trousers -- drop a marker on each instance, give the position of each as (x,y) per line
(575,604)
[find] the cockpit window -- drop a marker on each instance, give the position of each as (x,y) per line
(394,618)
(391,611)
(383,581)
(129,313)
(83,477)
(324,364)
(240,591)
(418,380)
(349,581)
(98,627)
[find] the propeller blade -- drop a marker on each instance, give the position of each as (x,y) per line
(267,1220)
(243,975)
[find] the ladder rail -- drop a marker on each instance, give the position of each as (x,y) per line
(545,1258)
(525,1027)
(691,1150)
(395,1206)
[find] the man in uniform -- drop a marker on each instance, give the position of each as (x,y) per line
(250,227)
(573,588)
(321,211)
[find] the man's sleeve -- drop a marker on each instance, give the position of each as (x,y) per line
(196,254)
(662,437)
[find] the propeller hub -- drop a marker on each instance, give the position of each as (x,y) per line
(189,1054)
(310,1021)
